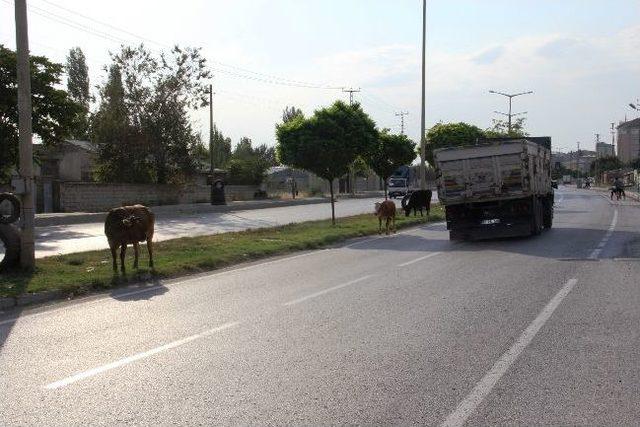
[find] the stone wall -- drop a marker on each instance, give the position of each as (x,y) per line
(96,197)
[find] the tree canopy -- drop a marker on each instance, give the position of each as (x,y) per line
(328,142)
(390,152)
(605,164)
(451,135)
(54,112)
(157,93)
(500,128)
(248,165)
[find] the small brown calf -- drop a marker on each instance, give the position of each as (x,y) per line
(129,224)
(386,210)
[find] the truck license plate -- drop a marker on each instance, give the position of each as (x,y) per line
(490,221)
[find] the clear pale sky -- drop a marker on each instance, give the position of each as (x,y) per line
(581,57)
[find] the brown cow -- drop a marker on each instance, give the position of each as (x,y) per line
(129,224)
(386,210)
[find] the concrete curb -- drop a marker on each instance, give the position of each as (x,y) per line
(29,299)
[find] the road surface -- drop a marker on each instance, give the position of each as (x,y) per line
(407,329)
(62,239)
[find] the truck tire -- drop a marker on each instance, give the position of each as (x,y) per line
(536,218)
(548,215)
(15,208)
(10,237)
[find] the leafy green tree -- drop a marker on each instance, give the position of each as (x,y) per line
(500,128)
(390,152)
(222,148)
(328,142)
(53,111)
(248,165)
(290,112)
(122,147)
(635,164)
(451,135)
(159,91)
(78,88)
(603,164)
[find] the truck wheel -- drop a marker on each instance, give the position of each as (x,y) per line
(548,216)
(536,219)
(10,237)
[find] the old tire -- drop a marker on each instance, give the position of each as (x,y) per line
(15,208)
(10,237)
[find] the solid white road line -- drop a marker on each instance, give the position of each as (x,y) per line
(118,363)
(404,264)
(325,291)
(598,250)
(482,389)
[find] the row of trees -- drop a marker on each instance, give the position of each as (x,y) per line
(330,141)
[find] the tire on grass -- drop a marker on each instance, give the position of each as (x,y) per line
(10,237)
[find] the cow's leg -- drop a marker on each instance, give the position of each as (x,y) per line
(393,221)
(388,223)
(150,249)
(123,253)
(379,225)
(114,256)
(136,253)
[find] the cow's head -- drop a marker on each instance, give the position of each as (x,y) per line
(377,207)
(407,209)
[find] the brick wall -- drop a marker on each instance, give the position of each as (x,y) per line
(95,197)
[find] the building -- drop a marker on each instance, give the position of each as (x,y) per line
(629,140)
(574,160)
(604,150)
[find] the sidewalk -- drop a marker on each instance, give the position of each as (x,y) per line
(69,218)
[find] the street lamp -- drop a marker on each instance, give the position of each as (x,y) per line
(423,167)
(510,96)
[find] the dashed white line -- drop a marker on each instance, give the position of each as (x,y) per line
(482,389)
(118,363)
(325,291)
(598,250)
(413,261)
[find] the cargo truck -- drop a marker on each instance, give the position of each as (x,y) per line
(499,187)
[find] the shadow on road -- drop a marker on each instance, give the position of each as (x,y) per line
(142,292)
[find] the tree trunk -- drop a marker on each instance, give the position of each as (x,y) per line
(333,207)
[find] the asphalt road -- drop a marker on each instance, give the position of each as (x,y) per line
(62,239)
(407,329)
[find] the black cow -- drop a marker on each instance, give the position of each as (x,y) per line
(417,200)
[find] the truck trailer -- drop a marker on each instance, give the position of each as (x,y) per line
(499,187)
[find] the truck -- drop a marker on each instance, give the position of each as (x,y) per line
(499,187)
(397,187)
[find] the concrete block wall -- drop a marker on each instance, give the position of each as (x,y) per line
(98,197)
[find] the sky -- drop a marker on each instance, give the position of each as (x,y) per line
(579,57)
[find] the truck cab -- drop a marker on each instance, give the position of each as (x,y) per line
(397,187)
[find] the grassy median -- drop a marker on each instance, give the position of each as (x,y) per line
(83,272)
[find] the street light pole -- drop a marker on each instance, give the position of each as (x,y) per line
(423,167)
(510,96)
(27,245)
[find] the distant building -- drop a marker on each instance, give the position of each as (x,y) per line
(629,140)
(604,150)
(574,160)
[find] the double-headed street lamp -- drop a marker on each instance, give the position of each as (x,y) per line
(510,96)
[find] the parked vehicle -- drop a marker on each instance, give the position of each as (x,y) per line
(500,187)
(397,187)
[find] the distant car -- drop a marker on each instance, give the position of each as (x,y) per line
(397,187)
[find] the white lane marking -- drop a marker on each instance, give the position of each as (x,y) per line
(118,363)
(404,264)
(598,250)
(482,389)
(325,291)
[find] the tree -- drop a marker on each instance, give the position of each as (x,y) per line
(500,128)
(451,135)
(78,88)
(390,152)
(159,91)
(603,164)
(326,143)
(222,148)
(122,147)
(53,111)
(290,112)
(248,165)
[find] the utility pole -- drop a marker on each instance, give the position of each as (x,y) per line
(352,173)
(351,91)
(211,147)
(423,167)
(401,114)
(510,96)
(27,246)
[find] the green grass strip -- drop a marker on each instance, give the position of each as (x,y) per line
(82,272)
